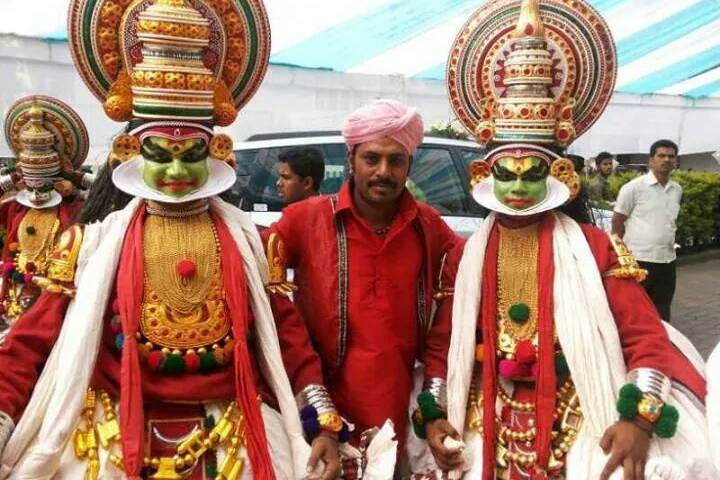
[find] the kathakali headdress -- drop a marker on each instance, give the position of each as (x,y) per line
(529,77)
(50,143)
(176,69)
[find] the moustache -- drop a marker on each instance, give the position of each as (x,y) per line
(382,183)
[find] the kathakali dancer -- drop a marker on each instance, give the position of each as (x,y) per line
(50,143)
(165,363)
(559,366)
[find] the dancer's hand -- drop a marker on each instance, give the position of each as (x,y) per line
(447,459)
(325,448)
(628,445)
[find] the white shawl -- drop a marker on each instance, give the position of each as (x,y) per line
(589,338)
(37,444)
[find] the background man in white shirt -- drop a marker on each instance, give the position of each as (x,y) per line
(645,215)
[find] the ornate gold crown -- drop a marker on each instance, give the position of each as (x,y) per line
(186,60)
(46,135)
(37,157)
(531,71)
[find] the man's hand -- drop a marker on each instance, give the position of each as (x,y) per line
(436,431)
(325,448)
(628,445)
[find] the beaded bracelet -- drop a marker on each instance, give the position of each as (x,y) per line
(427,411)
(633,403)
(314,423)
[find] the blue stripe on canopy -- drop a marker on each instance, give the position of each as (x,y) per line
(364,37)
(676,73)
(712,88)
(662,33)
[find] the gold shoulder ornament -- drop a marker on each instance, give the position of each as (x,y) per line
(629,267)
(62,263)
(277,261)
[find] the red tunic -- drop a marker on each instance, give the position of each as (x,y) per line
(34,335)
(644,340)
(368,351)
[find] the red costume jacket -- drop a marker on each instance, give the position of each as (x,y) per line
(29,343)
(367,300)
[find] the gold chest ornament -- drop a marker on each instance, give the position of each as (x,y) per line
(184,325)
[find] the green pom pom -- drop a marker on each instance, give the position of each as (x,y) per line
(211,471)
(631,392)
(429,408)
(519,313)
(174,364)
(207,361)
(627,404)
(561,365)
(666,425)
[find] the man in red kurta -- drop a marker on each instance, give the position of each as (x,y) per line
(366,264)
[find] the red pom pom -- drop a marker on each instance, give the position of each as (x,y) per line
(156,360)
(13,247)
(115,307)
(28,277)
(510,369)
(192,363)
(7,267)
(186,268)
(525,352)
(30,267)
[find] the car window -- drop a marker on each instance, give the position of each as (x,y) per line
(469,155)
(435,180)
(255,188)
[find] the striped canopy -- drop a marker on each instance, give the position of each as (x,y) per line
(664,46)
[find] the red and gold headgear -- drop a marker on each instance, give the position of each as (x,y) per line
(49,140)
(180,60)
(531,72)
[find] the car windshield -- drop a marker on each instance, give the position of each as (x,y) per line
(434,178)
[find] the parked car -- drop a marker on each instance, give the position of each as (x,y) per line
(438,175)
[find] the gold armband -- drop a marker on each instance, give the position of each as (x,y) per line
(277,262)
(629,267)
(62,263)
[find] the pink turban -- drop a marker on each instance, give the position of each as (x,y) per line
(385,118)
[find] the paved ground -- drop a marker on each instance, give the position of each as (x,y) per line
(696,307)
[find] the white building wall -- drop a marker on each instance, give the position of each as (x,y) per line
(292,99)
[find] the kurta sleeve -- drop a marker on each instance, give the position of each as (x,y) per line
(25,350)
(301,360)
(644,340)
(299,356)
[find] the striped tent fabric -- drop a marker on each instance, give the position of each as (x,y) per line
(667,47)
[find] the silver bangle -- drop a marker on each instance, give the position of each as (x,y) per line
(651,382)
(438,388)
(6,183)
(6,428)
(317,396)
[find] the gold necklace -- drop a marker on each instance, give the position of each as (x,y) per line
(168,242)
(36,235)
(517,285)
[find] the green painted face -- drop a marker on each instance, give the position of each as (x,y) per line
(175,168)
(520,183)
